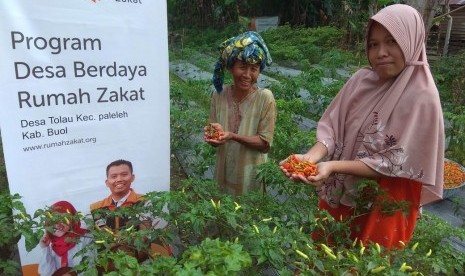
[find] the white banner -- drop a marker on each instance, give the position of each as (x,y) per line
(83,83)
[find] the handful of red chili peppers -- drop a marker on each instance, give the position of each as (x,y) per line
(212,133)
(305,168)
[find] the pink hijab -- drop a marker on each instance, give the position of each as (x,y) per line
(394,126)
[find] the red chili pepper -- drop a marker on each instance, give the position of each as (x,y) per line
(305,168)
(453,175)
(213,133)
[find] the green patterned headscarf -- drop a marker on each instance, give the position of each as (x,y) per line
(248,47)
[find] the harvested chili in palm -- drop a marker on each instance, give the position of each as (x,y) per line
(305,168)
(453,175)
(213,133)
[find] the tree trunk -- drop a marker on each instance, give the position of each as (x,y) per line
(372,8)
(449,29)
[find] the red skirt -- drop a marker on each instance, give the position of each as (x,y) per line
(385,229)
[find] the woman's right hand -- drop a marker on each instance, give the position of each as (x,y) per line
(311,180)
(300,157)
(214,142)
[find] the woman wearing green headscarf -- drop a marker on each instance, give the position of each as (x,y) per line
(243,113)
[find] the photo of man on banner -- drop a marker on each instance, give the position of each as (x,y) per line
(107,216)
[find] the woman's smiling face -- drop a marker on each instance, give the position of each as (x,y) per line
(60,229)
(384,53)
(245,75)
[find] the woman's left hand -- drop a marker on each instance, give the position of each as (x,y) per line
(226,136)
(215,142)
(324,170)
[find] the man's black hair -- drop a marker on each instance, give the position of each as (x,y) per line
(118,163)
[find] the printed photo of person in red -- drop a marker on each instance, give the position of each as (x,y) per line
(62,241)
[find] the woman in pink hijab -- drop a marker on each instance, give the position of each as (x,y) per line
(385,124)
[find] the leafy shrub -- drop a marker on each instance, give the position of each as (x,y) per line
(323,37)
(288,53)
(293,46)
(336,58)
(448,73)
(188,112)
(313,54)
(456,135)
(432,233)
(289,137)
(224,235)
